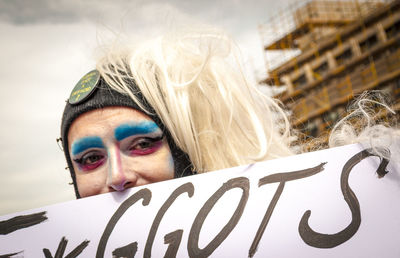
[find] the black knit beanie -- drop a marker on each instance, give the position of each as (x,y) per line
(92,92)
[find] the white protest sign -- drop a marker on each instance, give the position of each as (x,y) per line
(331,203)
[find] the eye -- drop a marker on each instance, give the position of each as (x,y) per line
(143,144)
(146,145)
(90,160)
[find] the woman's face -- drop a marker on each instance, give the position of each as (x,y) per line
(115,148)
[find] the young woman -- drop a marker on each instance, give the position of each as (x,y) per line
(170,107)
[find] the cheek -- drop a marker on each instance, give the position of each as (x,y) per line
(92,183)
(168,163)
(168,166)
(158,166)
(171,163)
(164,165)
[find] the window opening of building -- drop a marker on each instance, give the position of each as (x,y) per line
(300,82)
(393,30)
(321,70)
(368,43)
(344,57)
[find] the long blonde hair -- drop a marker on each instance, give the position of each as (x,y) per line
(195,83)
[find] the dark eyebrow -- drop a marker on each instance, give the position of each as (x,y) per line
(85,143)
(125,130)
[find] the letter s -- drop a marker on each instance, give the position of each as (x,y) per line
(319,240)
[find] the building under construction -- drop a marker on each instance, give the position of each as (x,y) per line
(326,53)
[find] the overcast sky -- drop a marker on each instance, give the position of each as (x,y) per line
(47,45)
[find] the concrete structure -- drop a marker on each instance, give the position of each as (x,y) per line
(342,48)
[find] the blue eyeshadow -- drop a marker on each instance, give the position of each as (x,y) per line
(125,130)
(85,143)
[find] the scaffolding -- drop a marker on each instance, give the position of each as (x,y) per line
(378,72)
(327,52)
(303,24)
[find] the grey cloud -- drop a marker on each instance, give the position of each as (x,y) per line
(22,12)
(26,12)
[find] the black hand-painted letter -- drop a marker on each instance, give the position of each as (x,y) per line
(185,188)
(319,240)
(173,239)
(144,194)
(10,255)
(281,178)
(127,251)
(193,241)
(20,222)
(61,249)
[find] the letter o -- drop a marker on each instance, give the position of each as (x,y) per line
(193,241)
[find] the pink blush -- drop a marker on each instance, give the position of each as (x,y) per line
(157,145)
(89,167)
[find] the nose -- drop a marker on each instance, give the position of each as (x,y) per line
(118,183)
(118,179)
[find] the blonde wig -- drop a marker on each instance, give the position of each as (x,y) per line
(196,85)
